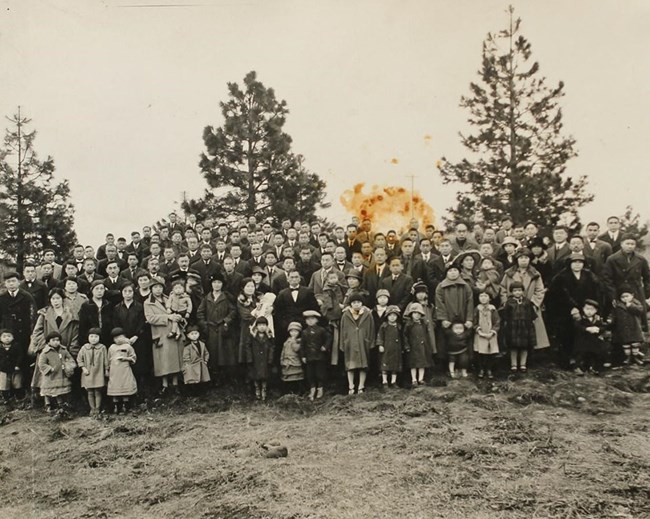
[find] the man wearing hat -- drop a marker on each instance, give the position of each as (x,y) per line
(18,315)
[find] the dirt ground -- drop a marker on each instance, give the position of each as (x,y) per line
(549,445)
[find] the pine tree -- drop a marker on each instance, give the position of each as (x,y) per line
(35,212)
(631,223)
(518,150)
(248,164)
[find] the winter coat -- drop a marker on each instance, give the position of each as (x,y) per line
(53,365)
(357,337)
(621,269)
(95,359)
(167,351)
(492,281)
(245,307)
(195,363)
(518,324)
(134,323)
(261,346)
(628,322)
(457,343)
(586,342)
(454,300)
(217,321)
(121,381)
(313,339)
(533,291)
(90,316)
(18,314)
(486,321)
(568,292)
(429,321)
(11,357)
(74,303)
(390,338)
(290,360)
(417,343)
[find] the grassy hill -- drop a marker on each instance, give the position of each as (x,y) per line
(550,445)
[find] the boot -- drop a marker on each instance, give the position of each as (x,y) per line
(312,393)
(319,392)
(263,394)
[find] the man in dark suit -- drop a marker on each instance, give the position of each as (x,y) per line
(193,251)
(306,265)
(392,244)
(78,255)
(272,270)
(174,224)
(18,315)
(613,235)
(242,266)
(290,304)
(257,256)
(113,283)
(137,247)
(559,250)
(434,271)
(169,263)
(340,260)
(111,255)
(319,278)
(133,270)
(506,229)
(232,279)
(413,267)
(398,284)
(377,271)
(101,250)
(206,266)
(595,247)
(36,288)
(352,244)
(627,268)
(155,251)
(89,275)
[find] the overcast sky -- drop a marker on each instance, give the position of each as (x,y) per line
(120,90)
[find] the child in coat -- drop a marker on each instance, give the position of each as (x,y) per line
(93,361)
(261,346)
(457,338)
(389,343)
(195,359)
(290,361)
(315,351)
(589,347)
(57,367)
(627,325)
(519,327)
(417,343)
(178,302)
(10,359)
(357,337)
(121,381)
(486,344)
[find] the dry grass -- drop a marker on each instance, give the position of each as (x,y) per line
(550,445)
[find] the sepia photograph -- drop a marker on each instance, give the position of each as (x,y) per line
(289,259)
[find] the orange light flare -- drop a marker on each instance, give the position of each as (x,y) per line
(388,207)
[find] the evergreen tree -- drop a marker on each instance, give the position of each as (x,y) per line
(248,164)
(518,150)
(631,223)
(35,212)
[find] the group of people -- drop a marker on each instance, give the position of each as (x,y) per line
(221,302)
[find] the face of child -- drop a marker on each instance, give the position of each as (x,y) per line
(193,335)
(311,321)
(356,305)
(120,339)
(517,292)
(483,298)
(626,297)
(93,339)
(262,327)
(179,289)
(294,333)
(6,338)
(457,328)
(54,342)
(332,278)
(589,310)
(452,274)
(392,318)
(420,296)
(416,316)
(382,300)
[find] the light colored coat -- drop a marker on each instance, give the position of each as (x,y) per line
(167,352)
(121,381)
(95,359)
(195,363)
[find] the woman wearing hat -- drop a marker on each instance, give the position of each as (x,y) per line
(54,318)
(167,351)
(217,318)
(534,291)
(566,296)
(354,279)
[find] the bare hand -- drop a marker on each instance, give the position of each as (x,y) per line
(446,324)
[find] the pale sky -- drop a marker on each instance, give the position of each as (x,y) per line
(120,90)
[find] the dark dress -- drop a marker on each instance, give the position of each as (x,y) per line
(216,318)
(519,328)
(260,346)
(417,342)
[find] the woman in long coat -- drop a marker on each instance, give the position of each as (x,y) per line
(533,291)
(54,318)
(96,313)
(167,351)
(216,316)
(129,315)
(246,303)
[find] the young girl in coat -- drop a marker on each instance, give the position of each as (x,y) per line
(519,327)
(627,325)
(390,345)
(121,380)
(316,343)
(486,344)
(417,343)
(57,367)
(589,348)
(357,332)
(93,361)
(261,346)
(457,338)
(195,359)
(290,361)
